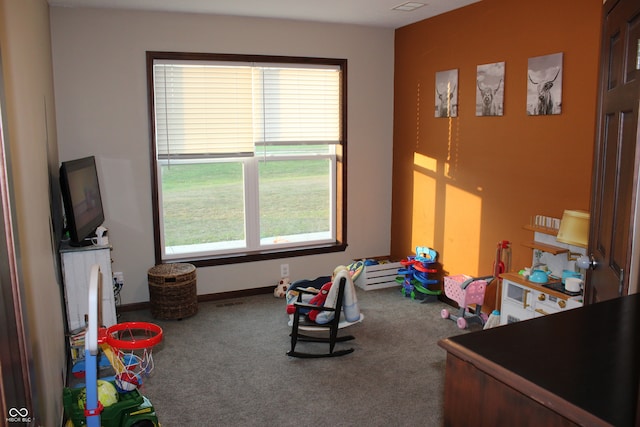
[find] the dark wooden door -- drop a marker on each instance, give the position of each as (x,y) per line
(615,161)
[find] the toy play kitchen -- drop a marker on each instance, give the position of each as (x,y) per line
(553,283)
(523,299)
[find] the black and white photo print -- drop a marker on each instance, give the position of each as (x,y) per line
(446,93)
(490,89)
(544,85)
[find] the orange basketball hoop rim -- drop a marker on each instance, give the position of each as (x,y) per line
(131,335)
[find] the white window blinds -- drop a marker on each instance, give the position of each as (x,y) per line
(213,110)
(297,105)
(203,110)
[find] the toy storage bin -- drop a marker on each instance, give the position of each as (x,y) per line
(379,276)
(172,291)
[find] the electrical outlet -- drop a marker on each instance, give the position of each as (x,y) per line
(284,270)
(118,277)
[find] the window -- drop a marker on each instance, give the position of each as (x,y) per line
(248,156)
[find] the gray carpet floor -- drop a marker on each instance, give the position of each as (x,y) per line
(227,366)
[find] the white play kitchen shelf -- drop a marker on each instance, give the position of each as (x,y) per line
(523,299)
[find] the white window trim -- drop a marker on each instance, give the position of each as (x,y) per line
(171,253)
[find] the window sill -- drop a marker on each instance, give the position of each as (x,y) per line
(238,258)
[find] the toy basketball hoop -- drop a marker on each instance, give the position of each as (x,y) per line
(129,348)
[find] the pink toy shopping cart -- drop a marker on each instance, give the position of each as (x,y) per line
(466,290)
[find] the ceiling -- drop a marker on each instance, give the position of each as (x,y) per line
(378,13)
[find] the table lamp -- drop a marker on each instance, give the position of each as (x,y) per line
(574,230)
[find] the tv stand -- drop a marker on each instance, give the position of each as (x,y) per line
(76,262)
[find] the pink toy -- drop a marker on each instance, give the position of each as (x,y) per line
(466,290)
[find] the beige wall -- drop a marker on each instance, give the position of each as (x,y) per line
(464,184)
(31,129)
(101,106)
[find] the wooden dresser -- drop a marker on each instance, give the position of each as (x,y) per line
(579,367)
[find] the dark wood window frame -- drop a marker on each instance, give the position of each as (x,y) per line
(340,243)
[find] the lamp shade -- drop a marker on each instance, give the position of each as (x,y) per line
(574,228)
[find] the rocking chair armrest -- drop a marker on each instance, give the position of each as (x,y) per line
(305,291)
(312,307)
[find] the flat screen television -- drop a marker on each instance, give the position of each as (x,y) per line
(81,199)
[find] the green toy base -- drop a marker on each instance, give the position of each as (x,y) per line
(132,410)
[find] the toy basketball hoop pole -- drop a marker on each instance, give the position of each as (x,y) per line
(93,408)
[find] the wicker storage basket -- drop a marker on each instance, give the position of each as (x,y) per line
(172,291)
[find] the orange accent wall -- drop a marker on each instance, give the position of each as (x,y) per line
(462,184)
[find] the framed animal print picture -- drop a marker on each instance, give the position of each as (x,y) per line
(490,89)
(446,93)
(544,85)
